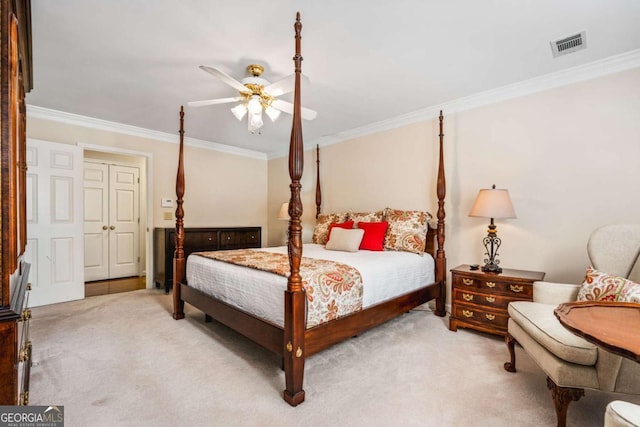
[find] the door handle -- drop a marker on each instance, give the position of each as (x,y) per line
(113,227)
(104,227)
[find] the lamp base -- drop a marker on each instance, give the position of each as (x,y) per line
(491,244)
(492,268)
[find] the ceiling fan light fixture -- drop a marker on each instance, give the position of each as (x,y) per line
(272,113)
(255,121)
(239,111)
(256,94)
(254,106)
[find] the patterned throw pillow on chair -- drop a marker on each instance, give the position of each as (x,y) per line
(630,292)
(599,286)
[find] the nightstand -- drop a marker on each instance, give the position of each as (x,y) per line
(479,300)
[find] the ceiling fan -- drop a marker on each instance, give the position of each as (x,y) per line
(256,94)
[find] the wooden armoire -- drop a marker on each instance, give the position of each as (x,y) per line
(15,80)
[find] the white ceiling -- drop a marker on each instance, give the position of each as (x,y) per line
(135,62)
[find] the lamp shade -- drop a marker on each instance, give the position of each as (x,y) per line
(493,203)
(284,211)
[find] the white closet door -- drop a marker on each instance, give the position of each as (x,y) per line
(54,222)
(112,221)
(96,221)
(124,221)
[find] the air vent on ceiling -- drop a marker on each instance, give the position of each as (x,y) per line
(569,44)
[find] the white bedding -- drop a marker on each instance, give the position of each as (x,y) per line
(384,274)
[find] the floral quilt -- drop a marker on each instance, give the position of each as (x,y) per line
(333,289)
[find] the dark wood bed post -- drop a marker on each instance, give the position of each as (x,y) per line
(441,260)
(178,257)
(295,296)
(318,191)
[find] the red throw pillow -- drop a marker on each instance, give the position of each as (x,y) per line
(346,224)
(374,232)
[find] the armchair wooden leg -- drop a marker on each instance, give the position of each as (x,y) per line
(511,343)
(562,396)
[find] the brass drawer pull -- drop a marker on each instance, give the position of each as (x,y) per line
(25,352)
(516,288)
(467,297)
(467,282)
(490,316)
(28,286)
(467,313)
(24,399)
(490,299)
(26,314)
(490,284)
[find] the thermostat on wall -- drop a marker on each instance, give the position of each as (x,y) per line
(167,203)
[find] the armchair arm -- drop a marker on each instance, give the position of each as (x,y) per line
(554,293)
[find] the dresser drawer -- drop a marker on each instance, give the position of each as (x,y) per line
(236,239)
(200,240)
(485,299)
(481,315)
(494,285)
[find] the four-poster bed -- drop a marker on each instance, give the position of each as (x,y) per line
(294,340)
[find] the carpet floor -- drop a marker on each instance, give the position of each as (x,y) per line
(121,360)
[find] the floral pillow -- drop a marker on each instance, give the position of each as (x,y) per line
(630,292)
(377,216)
(599,286)
(321,230)
(407,230)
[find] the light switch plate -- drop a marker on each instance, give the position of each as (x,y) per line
(167,202)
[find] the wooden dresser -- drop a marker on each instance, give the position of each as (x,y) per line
(16,80)
(197,240)
(479,300)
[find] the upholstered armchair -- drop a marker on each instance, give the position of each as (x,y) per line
(571,363)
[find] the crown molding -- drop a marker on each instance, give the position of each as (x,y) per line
(108,126)
(592,70)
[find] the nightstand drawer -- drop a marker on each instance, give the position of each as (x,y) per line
(466,296)
(494,284)
(480,315)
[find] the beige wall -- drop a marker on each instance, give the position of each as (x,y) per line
(221,189)
(569,157)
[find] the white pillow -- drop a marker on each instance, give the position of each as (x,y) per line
(347,240)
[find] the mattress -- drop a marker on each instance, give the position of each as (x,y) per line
(385,275)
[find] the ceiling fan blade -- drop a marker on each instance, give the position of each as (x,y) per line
(287,107)
(225,78)
(214,101)
(284,85)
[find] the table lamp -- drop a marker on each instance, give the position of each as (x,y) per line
(492,203)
